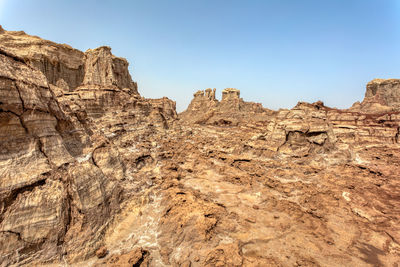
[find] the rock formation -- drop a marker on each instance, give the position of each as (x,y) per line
(381,96)
(231,110)
(93,174)
(385,92)
(61,175)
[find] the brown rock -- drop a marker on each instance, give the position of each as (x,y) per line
(231,110)
(381,96)
(136,257)
(101,252)
(386,92)
(86,162)
(104,69)
(59,176)
(224,255)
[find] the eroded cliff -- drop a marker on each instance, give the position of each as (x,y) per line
(93,174)
(61,177)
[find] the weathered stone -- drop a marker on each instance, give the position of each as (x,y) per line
(104,69)
(386,92)
(101,252)
(57,118)
(91,173)
(231,110)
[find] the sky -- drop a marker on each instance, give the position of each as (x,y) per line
(276,52)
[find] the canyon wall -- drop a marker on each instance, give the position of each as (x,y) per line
(60,171)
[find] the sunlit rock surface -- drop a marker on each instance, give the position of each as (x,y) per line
(93,174)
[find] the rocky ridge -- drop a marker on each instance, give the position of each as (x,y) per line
(60,180)
(231,110)
(93,174)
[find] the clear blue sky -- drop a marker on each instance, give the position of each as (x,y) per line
(276,52)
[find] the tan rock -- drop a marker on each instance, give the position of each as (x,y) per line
(87,166)
(101,252)
(136,257)
(231,110)
(104,69)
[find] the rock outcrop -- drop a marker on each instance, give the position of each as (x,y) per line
(381,96)
(231,110)
(60,175)
(104,69)
(307,126)
(93,174)
(66,67)
(385,92)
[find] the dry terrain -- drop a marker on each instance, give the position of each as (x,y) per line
(93,174)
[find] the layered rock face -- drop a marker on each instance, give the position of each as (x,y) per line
(67,67)
(61,110)
(93,174)
(381,96)
(231,110)
(374,121)
(386,92)
(104,69)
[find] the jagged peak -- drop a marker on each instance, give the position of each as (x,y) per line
(96,67)
(380,81)
(107,50)
(210,93)
(231,90)
(385,92)
(305,105)
(228,93)
(100,48)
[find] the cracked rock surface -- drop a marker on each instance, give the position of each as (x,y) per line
(93,174)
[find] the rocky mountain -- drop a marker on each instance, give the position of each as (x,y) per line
(93,174)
